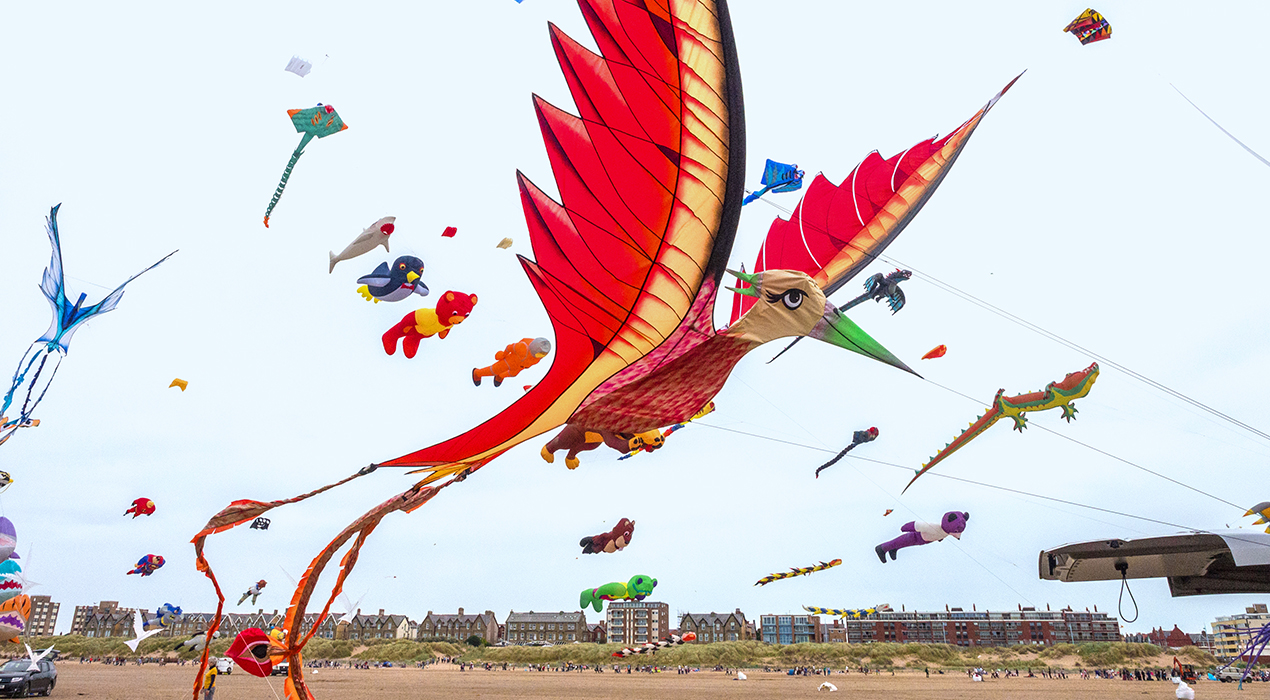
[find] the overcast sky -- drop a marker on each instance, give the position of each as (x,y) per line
(1092,201)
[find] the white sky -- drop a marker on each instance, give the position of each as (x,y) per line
(1092,201)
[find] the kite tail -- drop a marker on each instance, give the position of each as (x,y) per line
(833,461)
(753,196)
(286,175)
(233,515)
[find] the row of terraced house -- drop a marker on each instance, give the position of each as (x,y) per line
(637,622)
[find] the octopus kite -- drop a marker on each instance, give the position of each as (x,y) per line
(1055,395)
(629,260)
(797,572)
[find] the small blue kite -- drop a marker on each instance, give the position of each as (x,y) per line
(778,177)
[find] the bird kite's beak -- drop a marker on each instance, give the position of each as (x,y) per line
(411,276)
(836,329)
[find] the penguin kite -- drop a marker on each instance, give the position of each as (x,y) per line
(394,283)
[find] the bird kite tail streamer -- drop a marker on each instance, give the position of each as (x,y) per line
(233,515)
(408,501)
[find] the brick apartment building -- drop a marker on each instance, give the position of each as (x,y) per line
(637,621)
(716,627)
(459,627)
(976,628)
(598,633)
(43,616)
(555,628)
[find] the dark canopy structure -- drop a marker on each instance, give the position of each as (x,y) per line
(1196,563)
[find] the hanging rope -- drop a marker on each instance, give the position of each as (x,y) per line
(1123,568)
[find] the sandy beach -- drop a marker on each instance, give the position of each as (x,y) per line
(447,682)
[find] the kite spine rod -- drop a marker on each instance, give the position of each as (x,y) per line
(1045,333)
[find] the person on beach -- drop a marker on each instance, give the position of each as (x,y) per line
(209,683)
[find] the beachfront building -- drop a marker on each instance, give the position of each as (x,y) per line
(598,633)
(43,616)
(1231,633)
(459,627)
(106,619)
(637,621)
(715,627)
(360,628)
(1174,638)
(555,628)
(789,629)
(974,628)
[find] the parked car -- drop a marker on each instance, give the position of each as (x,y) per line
(281,668)
(19,678)
(1232,674)
(224,666)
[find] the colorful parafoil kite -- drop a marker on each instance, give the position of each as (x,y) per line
(449,232)
(848,613)
(654,647)
(377,234)
(141,506)
(14,615)
(777,177)
(919,533)
(252,650)
(180,384)
(1089,27)
(1262,511)
(254,591)
(147,565)
(859,438)
(320,121)
(1055,395)
(8,538)
(629,263)
(452,309)
(12,582)
(612,541)
(394,283)
(935,352)
(638,588)
(56,341)
(522,354)
(802,571)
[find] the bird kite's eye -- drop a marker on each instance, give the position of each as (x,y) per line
(402,266)
(792,299)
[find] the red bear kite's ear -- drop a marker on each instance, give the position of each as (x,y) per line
(449,296)
(473,298)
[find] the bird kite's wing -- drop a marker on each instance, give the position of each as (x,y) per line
(378,277)
(649,177)
(839,229)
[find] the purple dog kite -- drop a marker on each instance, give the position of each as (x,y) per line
(915,533)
